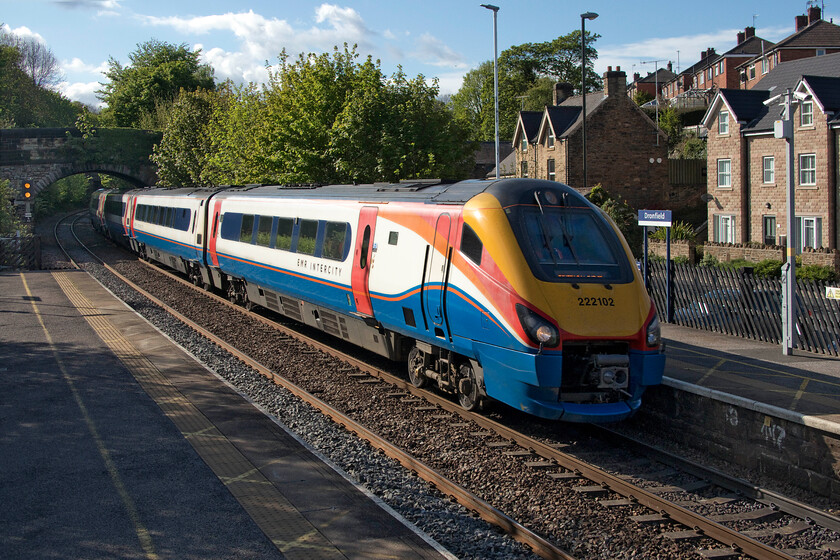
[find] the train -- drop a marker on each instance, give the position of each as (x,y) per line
(518,291)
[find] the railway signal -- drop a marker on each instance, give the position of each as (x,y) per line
(27,193)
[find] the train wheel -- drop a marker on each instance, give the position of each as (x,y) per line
(416,368)
(468,395)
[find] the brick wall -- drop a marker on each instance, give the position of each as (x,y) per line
(727,200)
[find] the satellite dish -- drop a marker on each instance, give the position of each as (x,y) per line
(706,197)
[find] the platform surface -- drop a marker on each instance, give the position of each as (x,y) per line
(116,444)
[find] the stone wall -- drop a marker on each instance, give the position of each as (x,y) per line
(725,252)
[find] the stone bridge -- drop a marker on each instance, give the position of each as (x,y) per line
(38,157)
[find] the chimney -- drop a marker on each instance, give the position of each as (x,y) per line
(615,82)
(636,77)
(749,32)
(670,66)
(740,38)
(801,22)
(562,91)
(814,14)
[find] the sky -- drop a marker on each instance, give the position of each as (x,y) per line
(441,39)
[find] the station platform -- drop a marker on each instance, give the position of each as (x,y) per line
(114,443)
(802,387)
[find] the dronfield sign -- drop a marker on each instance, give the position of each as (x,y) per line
(655,218)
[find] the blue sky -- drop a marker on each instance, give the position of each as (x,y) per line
(441,39)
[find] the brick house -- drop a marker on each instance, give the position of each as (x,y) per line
(652,82)
(813,37)
(715,71)
(626,152)
(747,177)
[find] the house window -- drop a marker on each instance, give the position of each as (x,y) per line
(724,229)
(806,114)
(723,122)
(525,169)
(550,169)
(765,65)
(702,78)
(808,232)
(769,230)
(820,52)
(724,173)
(550,140)
(768,165)
(751,70)
(523,146)
(808,169)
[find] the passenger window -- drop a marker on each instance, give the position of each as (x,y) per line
(334,241)
(283,240)
(365,247)
(246,232)
(306,237)
(471,245)
(264,231)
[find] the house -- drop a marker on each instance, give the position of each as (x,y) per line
(626,152)
(653,83)
(715,71)
(485,158)
(813,37)
(747,175)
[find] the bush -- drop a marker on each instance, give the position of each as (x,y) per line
(816,272)
(708,260)
(768,268)
(682,231)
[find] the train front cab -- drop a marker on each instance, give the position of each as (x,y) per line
(587,335)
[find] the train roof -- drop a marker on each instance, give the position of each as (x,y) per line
(507,191)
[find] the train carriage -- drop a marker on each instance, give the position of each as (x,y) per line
(515,290)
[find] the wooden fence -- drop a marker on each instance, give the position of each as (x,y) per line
(735,302)
(20,252)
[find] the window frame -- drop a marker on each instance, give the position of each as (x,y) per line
(768,226)
(723,122)
(551,170)
(806,118)
(808,175)
(726,235)
(771,180)
(724,174)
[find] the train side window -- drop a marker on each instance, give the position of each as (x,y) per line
(170,217)
(365,247)
(308,233)
(285,229)
(335,241)
(471,245)
(246,232)
(264,230)
(156,215)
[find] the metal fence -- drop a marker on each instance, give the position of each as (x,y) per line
(20,252)
(735,302)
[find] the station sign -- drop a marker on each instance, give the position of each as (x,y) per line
(655,218)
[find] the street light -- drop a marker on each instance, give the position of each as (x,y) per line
(495,10)
(583,18)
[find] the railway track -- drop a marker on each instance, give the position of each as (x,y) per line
(537,478)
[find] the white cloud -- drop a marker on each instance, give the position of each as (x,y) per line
(432,50)
(82,91)
(24,33)
(77,65)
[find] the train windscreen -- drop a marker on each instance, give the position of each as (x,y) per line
(569,244)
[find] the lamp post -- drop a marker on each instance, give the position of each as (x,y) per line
(495,10)
(583,18)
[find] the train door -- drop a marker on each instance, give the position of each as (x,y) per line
(437,269)
(212,225)
(362,260)
(128,216)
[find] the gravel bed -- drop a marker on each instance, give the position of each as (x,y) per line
(545,505)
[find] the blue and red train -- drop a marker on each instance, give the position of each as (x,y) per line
(517,290)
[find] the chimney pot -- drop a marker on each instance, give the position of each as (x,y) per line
(749,32)
(562,91)
(814,14)
(615,83)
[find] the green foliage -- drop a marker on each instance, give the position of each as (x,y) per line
(816,272)
(9,221)
(527,74)
(187,145)
(323,118)
(708,260)
(23,103)
(768,268)
(65,194)
(642,97)
(157,74)
(671,123)
(623,216)
(679,231)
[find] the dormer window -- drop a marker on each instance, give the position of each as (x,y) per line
(523,146)
(723,122)
(549,142)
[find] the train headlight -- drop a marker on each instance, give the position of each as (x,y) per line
(538,329)
(654,331)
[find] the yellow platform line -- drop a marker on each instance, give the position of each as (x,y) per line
(284,525)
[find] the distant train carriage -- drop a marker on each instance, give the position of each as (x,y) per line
(515,290)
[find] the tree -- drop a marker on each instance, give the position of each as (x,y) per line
(36,60)
(527,74)
(186,147)
(157,74)
(9,221)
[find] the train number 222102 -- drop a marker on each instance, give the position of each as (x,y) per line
(596,301)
